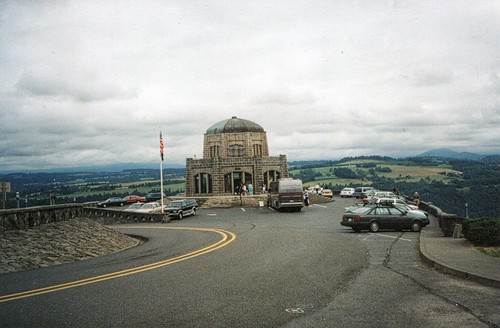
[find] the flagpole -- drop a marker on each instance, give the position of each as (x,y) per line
(161,170)
(161,184)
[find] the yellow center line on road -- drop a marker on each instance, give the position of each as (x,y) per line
(227,238)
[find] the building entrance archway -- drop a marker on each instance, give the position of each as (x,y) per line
(234,181)
(270,176)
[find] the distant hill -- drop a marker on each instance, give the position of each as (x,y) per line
(446,153)
(99,168)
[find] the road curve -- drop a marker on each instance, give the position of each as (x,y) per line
(277,266)
(226,238)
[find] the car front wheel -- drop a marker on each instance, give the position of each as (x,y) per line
(416,226)
(374,226)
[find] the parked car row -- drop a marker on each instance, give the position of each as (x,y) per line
(118,201)
(357,192)
(366,197)
(377,217)
(384,213)
(153,207)
(364,193)
(320,191)
(176,208)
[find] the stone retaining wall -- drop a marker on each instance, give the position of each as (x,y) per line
(59,242)
(447,221)
(25,218)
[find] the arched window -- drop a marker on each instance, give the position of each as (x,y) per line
(236,151)
(203,183)
(214,151)
(257,150)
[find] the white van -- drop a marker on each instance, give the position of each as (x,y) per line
(347,192)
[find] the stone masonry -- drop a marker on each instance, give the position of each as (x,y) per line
(59,242)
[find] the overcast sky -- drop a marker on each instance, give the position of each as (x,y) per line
(91,82)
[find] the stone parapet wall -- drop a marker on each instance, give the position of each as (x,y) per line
(447,221)
(110,216)
(25,218)
(230,201)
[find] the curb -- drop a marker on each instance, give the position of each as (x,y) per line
(454,271)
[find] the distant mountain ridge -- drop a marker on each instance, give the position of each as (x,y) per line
(99,168)
(436,153)
(446,153)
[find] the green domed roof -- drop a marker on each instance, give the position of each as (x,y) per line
(234,124)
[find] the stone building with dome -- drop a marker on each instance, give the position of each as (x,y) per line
(235,153)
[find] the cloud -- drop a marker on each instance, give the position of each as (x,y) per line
(284,97)
(93,82)
(77,88)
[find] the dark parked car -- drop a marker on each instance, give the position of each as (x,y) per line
(359,191)
(374,218)
(113,201)
(181,208)
(153,196)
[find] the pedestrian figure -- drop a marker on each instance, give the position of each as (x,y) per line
(250,189)
(416,198)
(306,197)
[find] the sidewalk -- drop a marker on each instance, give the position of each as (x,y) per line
(457,256)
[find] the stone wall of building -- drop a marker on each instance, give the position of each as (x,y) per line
(218,167)
(224,140)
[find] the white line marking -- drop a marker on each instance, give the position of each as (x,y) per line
(243,210)
(294,310)
(319,205)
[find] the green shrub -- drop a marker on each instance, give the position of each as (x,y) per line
(482,232)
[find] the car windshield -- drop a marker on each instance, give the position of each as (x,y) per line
(175,204)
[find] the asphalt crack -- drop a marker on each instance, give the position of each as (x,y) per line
(386,263)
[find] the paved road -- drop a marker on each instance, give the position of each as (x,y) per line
(251,268)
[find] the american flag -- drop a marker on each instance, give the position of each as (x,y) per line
(161,146)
